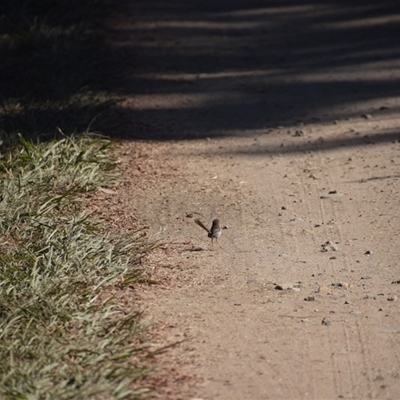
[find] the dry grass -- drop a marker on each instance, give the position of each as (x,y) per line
(59,337)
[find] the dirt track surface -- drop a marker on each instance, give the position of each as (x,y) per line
(281,119)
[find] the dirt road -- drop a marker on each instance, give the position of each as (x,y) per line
(281,119)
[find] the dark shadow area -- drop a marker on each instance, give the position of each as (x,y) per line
(173,70)
(322,144)
(376,178)
(209,69)
(55,69)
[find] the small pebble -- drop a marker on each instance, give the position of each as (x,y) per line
(329,246)
(286,286)
(324,290)
(341,284)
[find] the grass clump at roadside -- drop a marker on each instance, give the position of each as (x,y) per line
(60,336)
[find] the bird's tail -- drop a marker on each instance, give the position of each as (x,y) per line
(199,223)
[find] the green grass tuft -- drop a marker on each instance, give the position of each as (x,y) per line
(60,336)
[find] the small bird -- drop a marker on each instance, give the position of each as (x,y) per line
(214,232)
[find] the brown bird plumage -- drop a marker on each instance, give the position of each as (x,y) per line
(215,231)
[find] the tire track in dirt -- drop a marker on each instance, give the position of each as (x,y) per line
(308,190)
(354,356)
(344,382)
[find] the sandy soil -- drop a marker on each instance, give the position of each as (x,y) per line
(281,119)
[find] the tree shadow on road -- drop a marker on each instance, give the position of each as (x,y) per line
(188,70)
(210,69)
(56,70)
